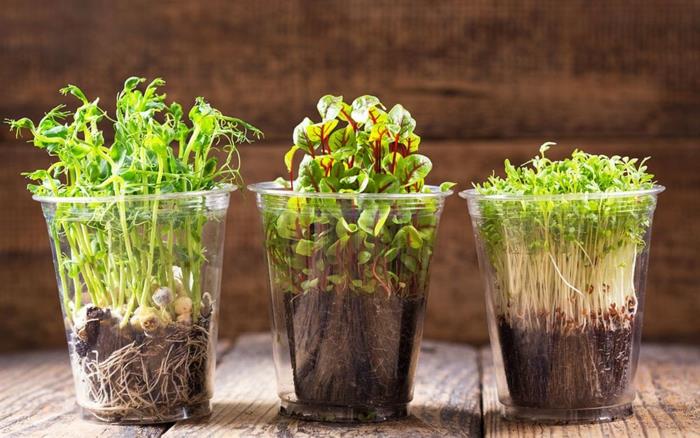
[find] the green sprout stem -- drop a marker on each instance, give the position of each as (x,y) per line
(120,251)
(560,263)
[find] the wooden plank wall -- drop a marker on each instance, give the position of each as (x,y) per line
(466,69)
(485,80)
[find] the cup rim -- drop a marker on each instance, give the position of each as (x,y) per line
(220,190)
(472,194)
(273,188)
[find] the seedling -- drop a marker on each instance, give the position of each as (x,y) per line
(349,244)
(566,245)
(128,245)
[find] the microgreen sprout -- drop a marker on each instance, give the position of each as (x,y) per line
(355,149)
(137,226)
(571,258)
(563,249)
(154,152)
(358,148)
(349,236)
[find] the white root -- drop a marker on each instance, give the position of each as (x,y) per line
(152,379)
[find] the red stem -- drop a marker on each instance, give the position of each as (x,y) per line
(350,120)
(396,148)
(323,141)
(378,156)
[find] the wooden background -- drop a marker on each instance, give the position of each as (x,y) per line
(485,80)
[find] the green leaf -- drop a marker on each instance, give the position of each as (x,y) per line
(382,214)
(402,118)
(342,228)
(75,91)
(363,180)
(366,220)
(286,225)
(320,131)
(342,139)
(304,247)
(345,113)
(413,237)
(361,107)
(364,257)
(391,254)
(413,168)
(329,107)
(372,219)
(387,183)
(289,157)
(310,175)
(412,143)
(447,186)
(300,138)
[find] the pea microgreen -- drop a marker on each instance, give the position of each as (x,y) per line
(119,254)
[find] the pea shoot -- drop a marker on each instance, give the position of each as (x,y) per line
(136,226)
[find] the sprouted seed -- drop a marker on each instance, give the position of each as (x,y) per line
(564,257)
(130,261)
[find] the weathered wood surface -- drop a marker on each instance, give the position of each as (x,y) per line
(446,401)
(455,309)
(667,404)
(454,383)
(465,69)
(37,399)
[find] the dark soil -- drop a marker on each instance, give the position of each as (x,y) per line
(353,349)
(186,373)
(566,369)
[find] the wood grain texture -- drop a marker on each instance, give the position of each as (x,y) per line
(455,308)
(453,383)
(446,400)
(465,69)
(37,399)
(668,392)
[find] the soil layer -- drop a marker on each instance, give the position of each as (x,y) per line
(126,375)
(566,369)
(351,349)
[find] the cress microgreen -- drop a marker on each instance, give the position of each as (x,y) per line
(570,258)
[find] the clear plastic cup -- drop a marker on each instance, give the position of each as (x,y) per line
(564,277)
(139,280)
(349,276)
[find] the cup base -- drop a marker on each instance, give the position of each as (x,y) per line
(568,416)
(198,410)
(342,414)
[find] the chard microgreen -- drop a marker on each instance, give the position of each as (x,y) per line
(356,243)
(357,148)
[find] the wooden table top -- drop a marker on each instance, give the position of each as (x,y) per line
(455,395)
